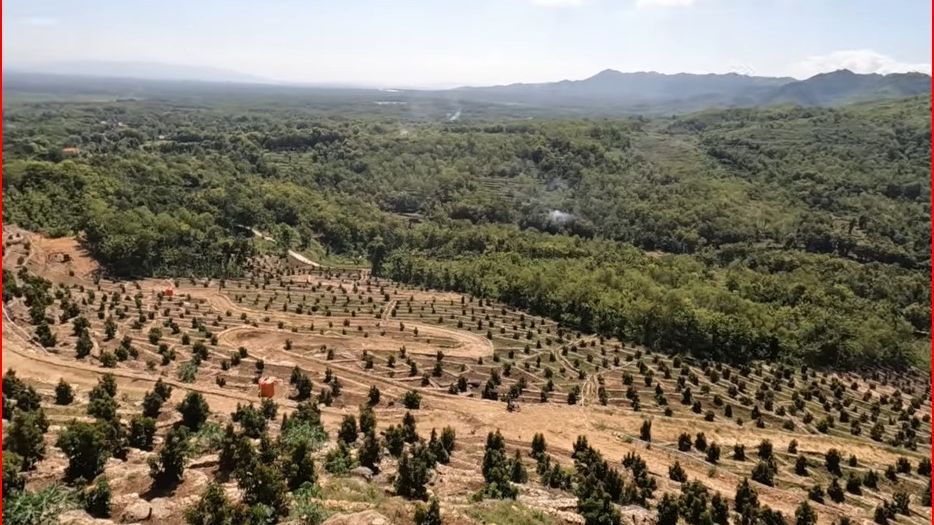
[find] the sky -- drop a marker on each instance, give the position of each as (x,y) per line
(445,43)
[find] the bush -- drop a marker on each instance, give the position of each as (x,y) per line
(194,410)
(25,437)
(338,460)
(676,473)
(430,515)
(168,467)
(832,462)
(86,448)
(412,400)
(348,430)
(142,432)
(262,484)
(764,472)
(411,478)
(97,499)
(805,515)
(13,480)
(64,394)
(214,508)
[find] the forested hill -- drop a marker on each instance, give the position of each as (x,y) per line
(783,232)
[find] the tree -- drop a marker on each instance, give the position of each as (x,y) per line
(693,502)
(645,433)
(214,508)
(719,509)
(370,451)
(412,476)
(64,394)
(152,404)
(13,480)
(142,432)
(430,515)
(517,472)
(97,499)
(835,492)
(408,426)
(85,446)
(263,485)
(496,468)
(805,515)
(412,400)
(300,468)
(668,509)
(348,430)
(339,460)
(168,467)
(367,419)
(538,445)
(713,453)
(764,472)
(194,410)
(832,461)
(25,437)
(746,501)
(676,473)
(83,346)
(373,396)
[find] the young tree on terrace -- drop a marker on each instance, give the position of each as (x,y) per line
(348,430)
(64,394)
(97,499)
(373,396)
(430,515)
(214,508)
(168,467)
(370,451)
(746,502)
(300,468)
(496,468)
(25,437)
(194,410)
(86,448)
(142,432)
(412,477)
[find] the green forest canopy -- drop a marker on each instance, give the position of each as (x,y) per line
(736,234)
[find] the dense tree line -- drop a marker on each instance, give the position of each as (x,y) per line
(793,232)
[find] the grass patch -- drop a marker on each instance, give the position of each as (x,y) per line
(508,513)
(208,439)
(39,507)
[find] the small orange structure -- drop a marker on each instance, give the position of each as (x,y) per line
(70,151)
(267,387)
(168,292)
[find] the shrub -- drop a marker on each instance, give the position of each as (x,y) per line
(430,515)
(214,508)
(64,394)
(168,467)
(194,410)
(142,432)
(85,446)
(97,499)
(412,400)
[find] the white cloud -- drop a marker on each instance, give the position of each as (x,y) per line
(857,61)
(559,3)
(664,3)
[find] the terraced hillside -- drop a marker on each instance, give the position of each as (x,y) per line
(439,362)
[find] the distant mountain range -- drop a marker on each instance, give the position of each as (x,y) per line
(652,92)
(609,92)
(140,70)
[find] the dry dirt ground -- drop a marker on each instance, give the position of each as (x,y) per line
(345,318)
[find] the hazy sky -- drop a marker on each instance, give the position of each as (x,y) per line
(454,42)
